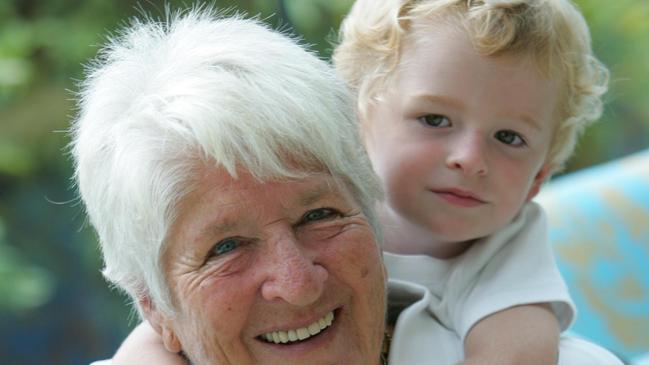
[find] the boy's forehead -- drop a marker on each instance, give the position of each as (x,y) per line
(458,24)
(444,68)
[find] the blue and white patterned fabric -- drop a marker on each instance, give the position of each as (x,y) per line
(599,227)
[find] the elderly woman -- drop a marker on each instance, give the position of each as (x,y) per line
(219,164)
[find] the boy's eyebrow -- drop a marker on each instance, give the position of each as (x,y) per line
(458,104)
(529,121)
(440,99)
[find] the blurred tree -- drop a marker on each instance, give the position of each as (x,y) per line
(620,31)
(23,286)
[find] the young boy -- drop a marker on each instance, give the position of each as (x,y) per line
(466,108)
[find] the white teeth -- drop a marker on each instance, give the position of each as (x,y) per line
(300,333)
(292,335)
(314,328)
(303,333)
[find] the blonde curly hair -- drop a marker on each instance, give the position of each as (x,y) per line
(552,32)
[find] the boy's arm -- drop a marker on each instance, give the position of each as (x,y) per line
(526,334)
(144,346)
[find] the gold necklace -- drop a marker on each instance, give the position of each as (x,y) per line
(385,349)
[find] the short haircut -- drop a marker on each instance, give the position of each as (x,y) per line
(200,88)
(551,32)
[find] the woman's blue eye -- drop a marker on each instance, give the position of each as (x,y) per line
(318,214)
(435,120)
(225,246)
(510,138)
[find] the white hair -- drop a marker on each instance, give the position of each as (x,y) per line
(165,96)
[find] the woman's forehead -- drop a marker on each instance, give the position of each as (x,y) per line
(223,201)
(302,189)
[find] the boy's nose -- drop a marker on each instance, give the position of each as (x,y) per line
(292,276)
(468,156)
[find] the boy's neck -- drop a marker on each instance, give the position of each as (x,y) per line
(404,238)
(437,250)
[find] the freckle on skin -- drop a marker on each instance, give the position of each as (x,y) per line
(364,272)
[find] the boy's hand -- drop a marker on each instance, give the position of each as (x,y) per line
(144,346)
(527,334)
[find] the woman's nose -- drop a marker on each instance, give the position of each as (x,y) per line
(468,155)
(292,276)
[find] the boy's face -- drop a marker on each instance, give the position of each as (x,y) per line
(459,141)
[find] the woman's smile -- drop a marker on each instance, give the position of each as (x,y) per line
(292,336)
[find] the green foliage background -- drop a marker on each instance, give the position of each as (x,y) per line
(50,283)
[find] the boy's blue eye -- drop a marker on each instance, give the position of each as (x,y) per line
(435,120)
(318,214)
(225,246)
(510,138)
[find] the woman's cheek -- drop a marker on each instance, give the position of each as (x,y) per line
(355,247)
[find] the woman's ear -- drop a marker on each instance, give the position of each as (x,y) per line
(161,323)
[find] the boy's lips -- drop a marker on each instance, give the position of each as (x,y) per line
(459,197)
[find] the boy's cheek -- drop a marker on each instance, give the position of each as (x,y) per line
(539,179)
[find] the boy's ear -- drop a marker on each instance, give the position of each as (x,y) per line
(363,124)
(539,179)
(161,323)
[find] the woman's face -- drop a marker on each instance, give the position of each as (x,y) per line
(253,263)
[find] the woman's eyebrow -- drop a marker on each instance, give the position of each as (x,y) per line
(321,191)
(219,226)
(223,223)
